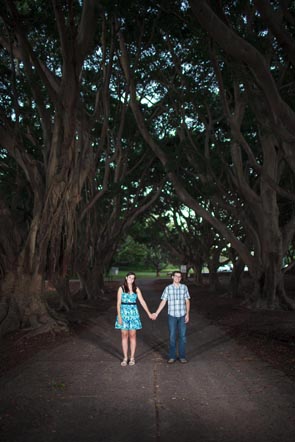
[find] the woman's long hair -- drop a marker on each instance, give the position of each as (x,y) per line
(125,285)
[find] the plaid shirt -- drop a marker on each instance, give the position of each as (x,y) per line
(176,297)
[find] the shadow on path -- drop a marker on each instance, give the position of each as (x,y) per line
(78,391)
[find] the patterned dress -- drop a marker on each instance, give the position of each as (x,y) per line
(129,313)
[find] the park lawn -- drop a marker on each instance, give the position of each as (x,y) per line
(141,274)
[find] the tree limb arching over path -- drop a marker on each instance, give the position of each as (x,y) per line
(274,125)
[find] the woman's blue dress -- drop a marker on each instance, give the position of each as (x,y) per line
(129,313)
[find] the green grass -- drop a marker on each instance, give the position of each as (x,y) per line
(139,274)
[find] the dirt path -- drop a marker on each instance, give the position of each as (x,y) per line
(78,391)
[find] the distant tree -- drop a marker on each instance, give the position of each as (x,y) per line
(157,258)
(131,253)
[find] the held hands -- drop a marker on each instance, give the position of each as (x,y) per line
(152,316)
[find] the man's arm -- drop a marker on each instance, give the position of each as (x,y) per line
(188,305)
(160,308)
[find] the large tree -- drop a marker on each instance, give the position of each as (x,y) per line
(46,127)
(244,121)
(66,125)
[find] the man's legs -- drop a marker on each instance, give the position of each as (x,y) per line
(181,337)
(172,324)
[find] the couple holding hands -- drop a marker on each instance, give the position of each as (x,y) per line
(128,319)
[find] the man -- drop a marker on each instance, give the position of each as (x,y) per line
(178,298)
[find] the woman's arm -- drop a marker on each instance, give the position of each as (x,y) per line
(143,303)
(119,297)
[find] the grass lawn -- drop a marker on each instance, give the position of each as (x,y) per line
(139,274)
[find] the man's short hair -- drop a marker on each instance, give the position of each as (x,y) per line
(176,271)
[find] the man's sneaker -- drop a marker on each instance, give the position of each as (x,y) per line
(183,360)
(171,361)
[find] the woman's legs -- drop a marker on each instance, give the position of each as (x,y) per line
(124,337)
(132,337)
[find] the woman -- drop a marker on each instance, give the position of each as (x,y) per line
(128,319)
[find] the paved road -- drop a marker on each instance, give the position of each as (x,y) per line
(78,391)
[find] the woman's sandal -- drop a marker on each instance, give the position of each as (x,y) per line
(124,362)
(132,361)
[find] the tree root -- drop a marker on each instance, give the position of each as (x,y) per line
(288,303)
(64,307)
(52,327)
(87,306)
(9,317)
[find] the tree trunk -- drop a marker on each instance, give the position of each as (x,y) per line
(235,279)
(213,264)
(62,286)
(58,166)
(23,304)
(214,283)
(269,291)
(92,283)
(198,278)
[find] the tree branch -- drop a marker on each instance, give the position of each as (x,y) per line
(242,51)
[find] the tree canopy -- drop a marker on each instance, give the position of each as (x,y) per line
(112,110)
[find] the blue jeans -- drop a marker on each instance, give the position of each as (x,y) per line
(176,324)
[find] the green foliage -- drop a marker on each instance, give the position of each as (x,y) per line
(131,253)
(182,81)
(142,248)
(58,385)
